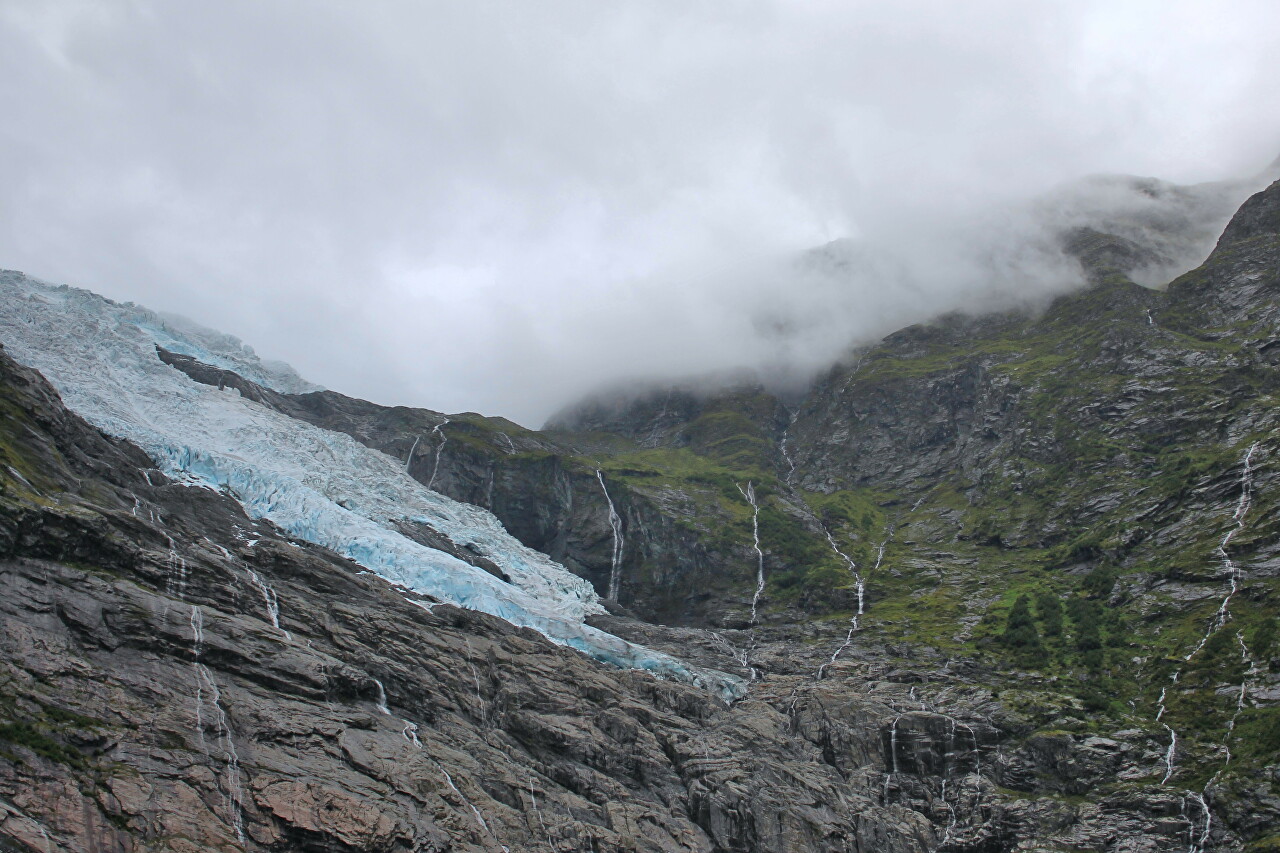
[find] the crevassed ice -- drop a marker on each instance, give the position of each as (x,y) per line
(320,486)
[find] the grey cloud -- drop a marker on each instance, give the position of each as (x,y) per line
(498,205)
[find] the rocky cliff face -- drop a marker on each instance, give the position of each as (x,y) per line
(180,677)
(997,583)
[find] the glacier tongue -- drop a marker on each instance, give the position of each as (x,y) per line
(319,486)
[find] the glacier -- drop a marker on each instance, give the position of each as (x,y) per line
(319,486)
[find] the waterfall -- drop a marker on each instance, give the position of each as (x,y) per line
(381,703)
(893,743)
(782,447)
(1242,509)
(196,620)
(475,676)
(444,439)
(1171,753)
(893,758)
(408,460)
(1198,841)
(615,523)
(951,819)
(232,796)
(475,811)
(410,734)
(742,656)
(176,577)
(750,494)
(269,600)
(1223,614)
(855,620)
(538,813)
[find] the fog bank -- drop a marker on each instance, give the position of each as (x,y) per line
(497,206)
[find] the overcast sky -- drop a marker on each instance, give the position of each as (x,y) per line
(495,206)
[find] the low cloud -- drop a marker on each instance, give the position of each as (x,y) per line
(497,206)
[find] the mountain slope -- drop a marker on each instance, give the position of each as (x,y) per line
(180,676)
(318,484)
(995,583)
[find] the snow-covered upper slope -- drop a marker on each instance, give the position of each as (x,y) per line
(320,486)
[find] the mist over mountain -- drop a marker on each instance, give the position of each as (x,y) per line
(498,208)
(997,582)
(909,471)
(782,321)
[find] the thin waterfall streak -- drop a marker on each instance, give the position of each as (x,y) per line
(1198,843)
(1223,615)
(742,656)
(951,819)
(615,524)
(1170,754)
(438,429)
(538,812)
(197,632)
(880,554)
(893,759)
(786,455)
(409,459)
(176,576)
(381,702)
(749,493)
(855,620)
(196,620)
(232,796)
(475,676)
(1233,571)
(977,749)
(269,599)
(474,811)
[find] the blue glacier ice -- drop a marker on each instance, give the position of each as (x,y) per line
(319,486)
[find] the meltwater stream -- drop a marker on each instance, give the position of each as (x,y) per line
(233,797)
(856,619)
(615,524)
(749,493)
(438,429)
